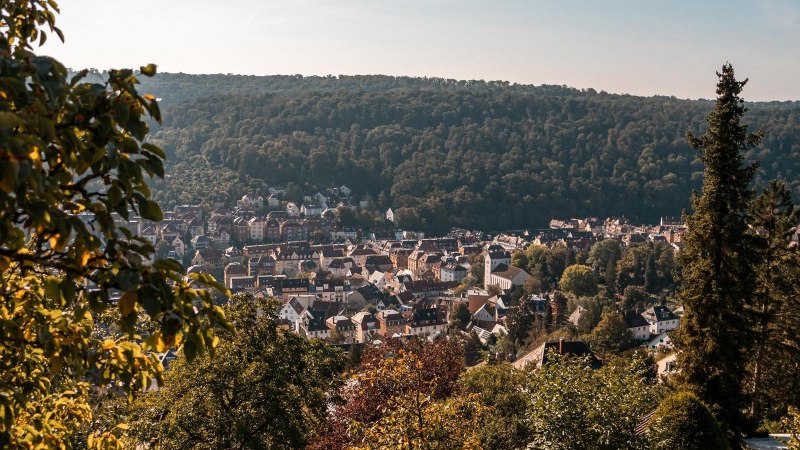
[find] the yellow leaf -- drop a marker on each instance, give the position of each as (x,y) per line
(149,97)
(108,344)
(128,302)
(54,242)
(34,154)
(85,258)
(161,345)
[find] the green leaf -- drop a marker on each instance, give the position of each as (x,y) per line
(9,172)
(150,210)
(151,305)
(8,119)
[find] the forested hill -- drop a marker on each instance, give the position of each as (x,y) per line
(174,88)
(446,153)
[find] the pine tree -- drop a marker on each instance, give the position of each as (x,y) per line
(718,274)
(650,274)
(774,218)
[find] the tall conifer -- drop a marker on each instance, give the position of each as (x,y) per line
(718,273)
(774,219)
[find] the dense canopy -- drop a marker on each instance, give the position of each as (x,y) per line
(441,152)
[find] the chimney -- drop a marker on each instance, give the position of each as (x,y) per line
(561,345)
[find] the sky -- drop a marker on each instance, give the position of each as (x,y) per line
(640,47)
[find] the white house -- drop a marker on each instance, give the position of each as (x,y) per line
(660,319)
(390,216)
(637,326)
(313,327)
(662,340)
(425,323)
(291,311)
(256,227)
(179,246)
(453,272)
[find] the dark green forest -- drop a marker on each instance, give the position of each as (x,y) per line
(489,155)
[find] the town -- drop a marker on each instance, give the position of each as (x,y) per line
(350,285)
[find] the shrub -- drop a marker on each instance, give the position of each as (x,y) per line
(683,422)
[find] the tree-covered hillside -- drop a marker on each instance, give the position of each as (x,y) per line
(445,153)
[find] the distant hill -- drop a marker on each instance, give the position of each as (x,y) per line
(444,152)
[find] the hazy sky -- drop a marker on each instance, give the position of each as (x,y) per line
(642,47)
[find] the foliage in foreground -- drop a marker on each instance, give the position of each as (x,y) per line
(264,388)
(683,422)
(74,164)
(574,406)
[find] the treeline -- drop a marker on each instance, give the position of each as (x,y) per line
(487,156)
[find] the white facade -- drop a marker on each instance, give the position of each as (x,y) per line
(492,260)
(256,227)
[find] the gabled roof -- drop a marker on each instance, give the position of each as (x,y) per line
(378,260)
(659,314)
(424,317)
(507,272)
(366,321)
(634,320)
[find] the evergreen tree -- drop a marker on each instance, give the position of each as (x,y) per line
(774,217)
(611,277)
(650,274)
(718,274)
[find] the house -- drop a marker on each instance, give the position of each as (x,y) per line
(539,357)
(342,326)
(195,227)
(382,262)
(576,315)
(663,340)
(256,227)
(233,270)
(399,257)
(200,242)
(506,276)
(390,216)
(179,246)
(291,311)
(381,279)
(484,317)
(391,302)
(328,254)
(453,272)
(368,294)
(313,327)
(340,267)
(150,235)
(391,322)
(261,265)
(637,325)
(660,319)
(312,209)
(360,254)
(367,326)
(331,290)
(425,322)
